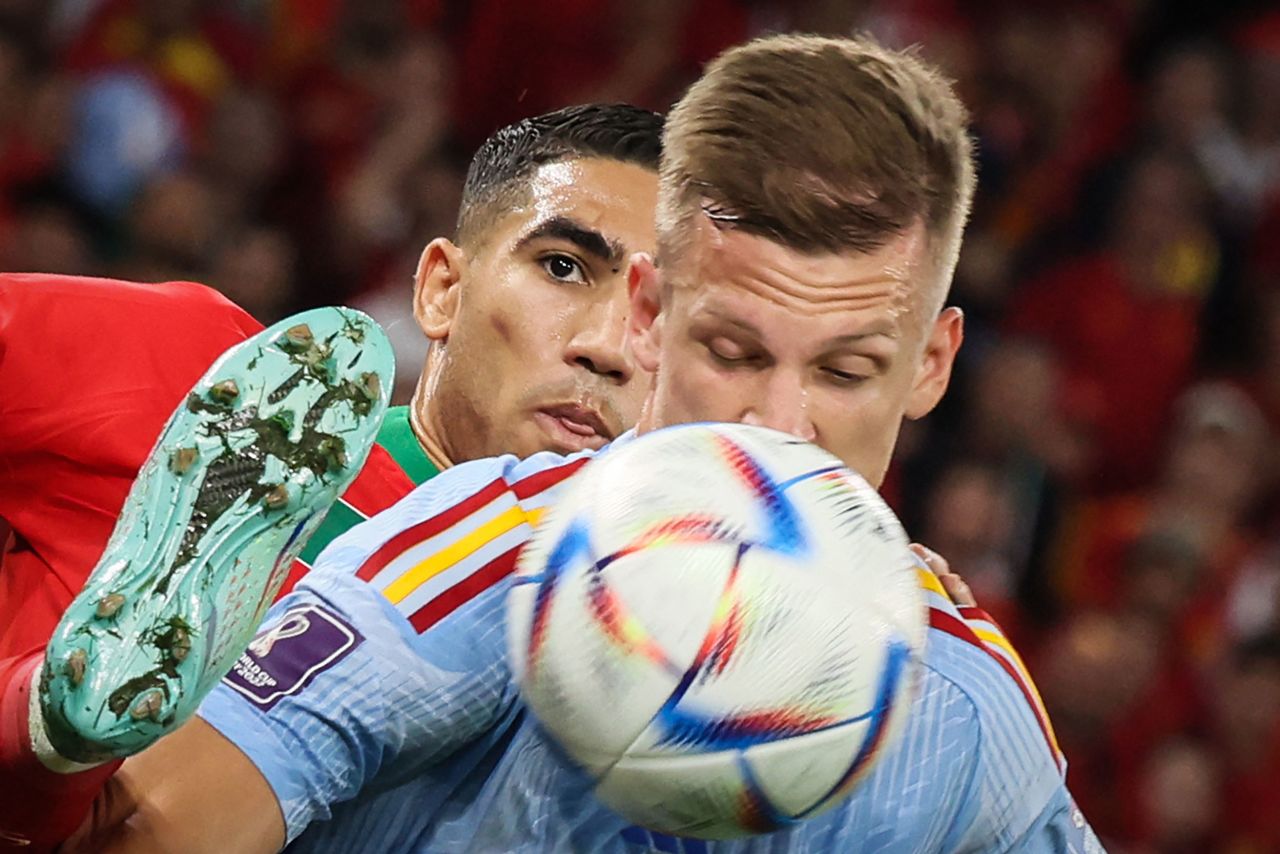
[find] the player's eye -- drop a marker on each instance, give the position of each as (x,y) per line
(563,268)
(728,353)
(837,377)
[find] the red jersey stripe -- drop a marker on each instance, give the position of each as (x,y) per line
(535,483)
(465,590)
(940,619)
(487,574)
(943,621)
(975,613)
(425,530)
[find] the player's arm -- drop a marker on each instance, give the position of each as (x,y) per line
(193,791)
(391,652)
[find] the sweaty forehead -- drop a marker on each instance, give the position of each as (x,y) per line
(595,192)
(886,281)
(554,187)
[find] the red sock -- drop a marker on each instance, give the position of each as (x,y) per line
(39,808)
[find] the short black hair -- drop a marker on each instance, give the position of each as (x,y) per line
(510,156)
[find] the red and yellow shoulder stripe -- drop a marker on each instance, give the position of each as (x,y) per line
(431,569)
(975,626)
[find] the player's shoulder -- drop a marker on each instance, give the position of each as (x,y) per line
(450,540)
(966,648)
(1018,766)
(458,499)
(463,499)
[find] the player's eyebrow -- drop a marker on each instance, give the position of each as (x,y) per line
(740,325)
(858,337)
(587,239)
(880,330)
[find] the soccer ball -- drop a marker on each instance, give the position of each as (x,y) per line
(720,624)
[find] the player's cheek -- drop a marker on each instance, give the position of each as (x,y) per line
(852,425)
(709,395)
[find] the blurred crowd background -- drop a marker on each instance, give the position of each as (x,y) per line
(1104,472)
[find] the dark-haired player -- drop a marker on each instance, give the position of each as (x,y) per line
(525,307)
(813,199)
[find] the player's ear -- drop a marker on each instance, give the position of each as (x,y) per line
(934,372)
(435,287)
(644,286)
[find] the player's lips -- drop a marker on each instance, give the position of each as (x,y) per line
(574,426)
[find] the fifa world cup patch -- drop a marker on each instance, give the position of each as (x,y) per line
(291,652)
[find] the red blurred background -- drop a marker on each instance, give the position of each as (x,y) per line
(1104,471)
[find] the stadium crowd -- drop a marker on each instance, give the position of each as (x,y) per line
(1104,473)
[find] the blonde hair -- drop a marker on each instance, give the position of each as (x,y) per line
(822,145)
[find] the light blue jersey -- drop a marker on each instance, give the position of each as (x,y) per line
(378,704)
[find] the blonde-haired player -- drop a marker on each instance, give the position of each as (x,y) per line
(812,203)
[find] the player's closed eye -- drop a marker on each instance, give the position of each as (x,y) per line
(841,378)
(731,355)
(563,268)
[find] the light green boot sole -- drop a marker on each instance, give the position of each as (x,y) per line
(242,475)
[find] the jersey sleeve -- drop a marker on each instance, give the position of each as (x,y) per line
(390,655)
(1017,773)
(1060,829)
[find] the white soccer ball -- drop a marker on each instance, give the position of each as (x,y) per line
(722,625)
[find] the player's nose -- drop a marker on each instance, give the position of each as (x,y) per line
(600,342)
(783,406)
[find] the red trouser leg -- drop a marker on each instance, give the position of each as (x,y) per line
(38,808)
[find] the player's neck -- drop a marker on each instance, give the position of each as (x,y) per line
(431,445)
